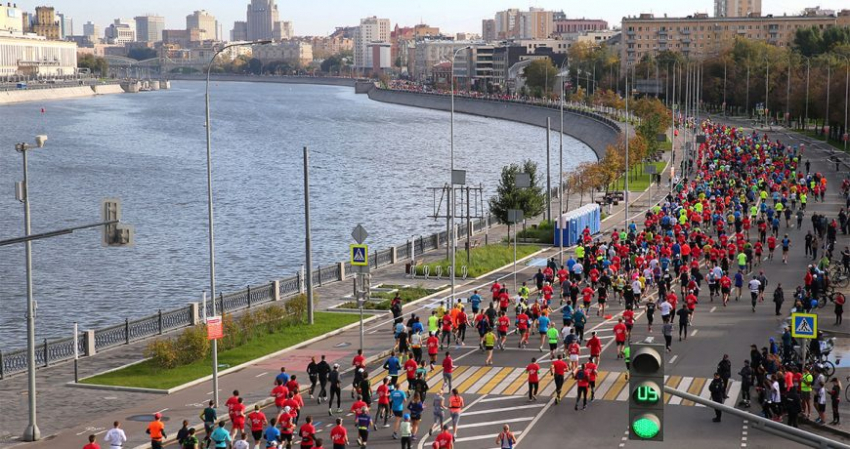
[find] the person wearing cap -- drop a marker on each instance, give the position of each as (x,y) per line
(406,431)
(286,421)
(717,394)
(156,429)
(220,436)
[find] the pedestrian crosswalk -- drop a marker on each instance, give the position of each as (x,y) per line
(512,381)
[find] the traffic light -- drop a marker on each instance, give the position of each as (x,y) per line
(646,392)
(115,234)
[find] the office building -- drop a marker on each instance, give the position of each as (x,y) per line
(536,23)
(283,30)
(261,18)
(700,36)
(737,8)
(428,53)
(507,24)
(205,23)
(371,29)
(149,28)
(30,55)
(120,32)
(11,19)
(46,24)
(565,27)
(239,33)
(66,26)
(183,38)
(294,53)
(91,31)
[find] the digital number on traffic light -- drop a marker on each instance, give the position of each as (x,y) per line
(646,394)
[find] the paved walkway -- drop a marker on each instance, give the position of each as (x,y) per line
(59,405)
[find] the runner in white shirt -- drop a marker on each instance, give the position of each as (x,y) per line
(665,308)
(754,290)
(115,436)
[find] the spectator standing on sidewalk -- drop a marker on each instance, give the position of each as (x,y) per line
(717,394)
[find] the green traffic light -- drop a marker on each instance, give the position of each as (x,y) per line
(646,428)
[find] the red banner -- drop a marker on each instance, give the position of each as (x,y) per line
(215,330)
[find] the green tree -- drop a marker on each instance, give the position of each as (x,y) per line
(530,200)
(332,63)
(94,63)
(540,76)
(808,41)
(255,66)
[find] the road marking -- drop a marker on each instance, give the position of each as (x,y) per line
(463,413)
(734,391)
(496,423)
(437,386)
(484,437)
(673,359)
(516,384)
(534,421)
(673,382)
(695,388)
(498,398)
(163,410)
(618,386)
(686,382)
(496,380)
(712,309)
(504,409)
(649,339)
(261,374)
(694,332)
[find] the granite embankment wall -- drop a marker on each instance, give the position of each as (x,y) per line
(58,93)
(595,132)
(323,81)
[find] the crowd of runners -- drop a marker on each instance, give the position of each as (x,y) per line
(717,230)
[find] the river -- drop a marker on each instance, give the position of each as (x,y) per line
(370,163)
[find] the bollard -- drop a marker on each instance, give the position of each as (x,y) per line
(126,331)
(45,352)
(159,320)
(1,364)
(249,296)
(221,303)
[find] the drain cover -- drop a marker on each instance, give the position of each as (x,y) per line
(144,418)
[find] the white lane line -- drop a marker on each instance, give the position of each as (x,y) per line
(534,421)
(261,374)
(694,332)
(673,359)
(484,437)
(734,391)
(683,386)
(464,412)
(163,410)
(705,393)
(495,423)
(507,381)
(505,409)
(712,309)
(498,398)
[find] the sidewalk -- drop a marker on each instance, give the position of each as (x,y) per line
(59,406)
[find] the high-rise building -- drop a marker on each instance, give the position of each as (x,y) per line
(283,30)
(36,55)
(91,31)
(536,23)
(565,27)
(11,19)
(239,32)
(120,32)
(262,16)
(737,8)
(46,23)
(507,24)
(205,22)
(66,26)
(295,53)
(371,29)
(149,28)
(488,30)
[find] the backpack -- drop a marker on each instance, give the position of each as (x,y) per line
(581,375)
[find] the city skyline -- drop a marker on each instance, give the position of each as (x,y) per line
(466,18)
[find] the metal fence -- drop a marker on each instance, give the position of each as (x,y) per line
(54,351)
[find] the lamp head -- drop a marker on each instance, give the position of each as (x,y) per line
(263,42)
(40,140)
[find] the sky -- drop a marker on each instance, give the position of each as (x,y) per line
(322,16)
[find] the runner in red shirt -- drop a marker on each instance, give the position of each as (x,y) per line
(445,440)
(504,300)
(522,327)
(238,419)
(620,337)
(502,324)
(574,350)
(547,291)
(358,406)
(586,297)
(725,288)
(495,290)
(590,369)
(595,346)
(383,392)
(280,393)
(307,433)
(410,369)
(559,371)
(231,403)
(92,444)
(257,420)
(582,383)
(433,347)
(533,370)
(691,301)
(286,421)
(771,245)
(629,320)
(339,436)
(292,385)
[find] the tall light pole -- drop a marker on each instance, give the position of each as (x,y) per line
(846,98)
(626,180)
(788,94)
(766,90)
(561,159)
(826,117)
(210,206)
(806,118)
(31,433)
(724,87)
(450,204)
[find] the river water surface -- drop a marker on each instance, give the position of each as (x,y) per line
(370,163)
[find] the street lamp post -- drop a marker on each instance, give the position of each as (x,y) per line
(806,117)
(450,204)
(846,98)
(826,117)
(766,90)
(210,206)
(31,433)
(626,179)
(561,160)
(788,95)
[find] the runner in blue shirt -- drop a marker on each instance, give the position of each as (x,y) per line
(739,283)
(393,366)
(542,327)
(272,434)
(397,399)
(475,300)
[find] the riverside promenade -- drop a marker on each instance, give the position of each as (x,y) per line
(68,414)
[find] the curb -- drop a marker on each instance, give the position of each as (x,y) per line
(827,429)
(221,373)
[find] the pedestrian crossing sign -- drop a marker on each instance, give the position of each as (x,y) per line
(804,325)
(360,255)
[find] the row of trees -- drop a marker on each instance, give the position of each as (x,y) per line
(248,65)
(95,64)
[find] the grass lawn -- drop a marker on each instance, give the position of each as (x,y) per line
(146,375)
(484,259)
(815,136)
(543,233)
(639,182)
(407,295)
(666,146)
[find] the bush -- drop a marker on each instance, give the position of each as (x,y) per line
(296,307)
(192,345)
(162,353)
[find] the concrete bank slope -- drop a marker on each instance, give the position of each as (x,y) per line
(318,80)
(59,93)
(593,131)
